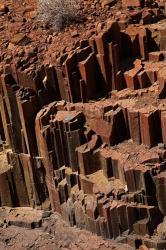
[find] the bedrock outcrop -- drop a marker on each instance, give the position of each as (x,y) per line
(83,132)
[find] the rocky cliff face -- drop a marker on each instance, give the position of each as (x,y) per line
(83,131)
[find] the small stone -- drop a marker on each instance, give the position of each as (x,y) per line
(21,53)
(3,8)
(46,214)
(5,226)
(33,14)
(161,145)
(10,46)
(74,33)
(8,59)
(31,51)
(49,39)
(108,3)
(20,39)
(1,223)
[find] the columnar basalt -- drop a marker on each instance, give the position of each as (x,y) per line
(84,134)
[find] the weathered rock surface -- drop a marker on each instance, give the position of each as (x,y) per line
(82,125)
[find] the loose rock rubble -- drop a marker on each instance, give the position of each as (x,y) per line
(52,232)
(83,121)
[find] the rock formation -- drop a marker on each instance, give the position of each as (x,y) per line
(84,132)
